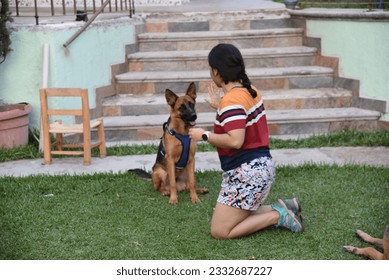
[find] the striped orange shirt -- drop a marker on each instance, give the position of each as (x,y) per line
(239,110)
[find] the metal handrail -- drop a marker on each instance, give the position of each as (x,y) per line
(85,26)
(77,7)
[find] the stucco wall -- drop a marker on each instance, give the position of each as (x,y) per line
(85,63)
(362,46)
(363,50)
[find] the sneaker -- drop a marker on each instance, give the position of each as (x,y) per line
(292,204)
(287,218)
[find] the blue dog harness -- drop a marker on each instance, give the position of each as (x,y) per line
(185,142)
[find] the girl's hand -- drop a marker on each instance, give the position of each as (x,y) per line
(196,134)
(214,94)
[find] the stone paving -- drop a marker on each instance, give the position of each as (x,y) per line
(371,156)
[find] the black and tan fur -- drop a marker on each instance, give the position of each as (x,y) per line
(165,176)
(370,252)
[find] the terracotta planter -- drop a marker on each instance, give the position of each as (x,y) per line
(14,125)
(290,4)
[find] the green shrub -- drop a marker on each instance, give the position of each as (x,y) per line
(5,40)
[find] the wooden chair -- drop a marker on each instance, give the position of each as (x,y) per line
(57,128)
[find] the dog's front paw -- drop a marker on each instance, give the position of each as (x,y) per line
(173,200)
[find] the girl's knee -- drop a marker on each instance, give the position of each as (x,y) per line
(219,234)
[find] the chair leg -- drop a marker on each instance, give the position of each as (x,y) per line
(87,153)
(59,141)
(59,138)
(101,135)
(47,148)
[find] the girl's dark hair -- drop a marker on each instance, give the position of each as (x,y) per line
(228,61)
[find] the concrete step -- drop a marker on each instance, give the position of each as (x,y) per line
(198,59)
(152,104)
(263,78)
(281,122)
(219,20)
(205,40)
(217,23)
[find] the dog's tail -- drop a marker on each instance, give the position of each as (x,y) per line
(140,173)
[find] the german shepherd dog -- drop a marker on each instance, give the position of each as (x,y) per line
(370,252)
(174,169)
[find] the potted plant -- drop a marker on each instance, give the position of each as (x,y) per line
(14,119)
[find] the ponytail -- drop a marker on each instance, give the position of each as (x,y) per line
(247,84)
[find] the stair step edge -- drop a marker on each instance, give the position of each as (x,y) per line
(284,116)
(196,35)
(203,54)
(204,74)
(159,99)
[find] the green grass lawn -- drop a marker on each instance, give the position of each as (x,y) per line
(120,217)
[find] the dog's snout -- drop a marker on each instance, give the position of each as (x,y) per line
(188,112)
(193,117)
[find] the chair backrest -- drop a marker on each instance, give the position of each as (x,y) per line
(59,147)
(65,92)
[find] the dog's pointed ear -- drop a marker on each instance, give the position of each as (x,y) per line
(191,91)
(171,97)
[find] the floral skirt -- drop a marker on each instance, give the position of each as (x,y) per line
(248,186)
